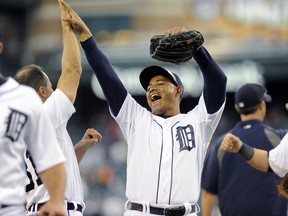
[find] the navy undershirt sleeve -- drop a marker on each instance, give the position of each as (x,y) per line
(112,87)
(215,80)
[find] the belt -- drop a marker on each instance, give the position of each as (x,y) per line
(70,206)
(168,211)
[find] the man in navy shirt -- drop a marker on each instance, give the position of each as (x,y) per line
(241,189)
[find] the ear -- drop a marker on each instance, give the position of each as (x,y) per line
(179,91)
(42,92)
(262,104)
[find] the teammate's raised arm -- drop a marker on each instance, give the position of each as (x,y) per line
(255,157)
(90,138)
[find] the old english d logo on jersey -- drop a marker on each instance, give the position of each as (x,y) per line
(15,123)
(185,137)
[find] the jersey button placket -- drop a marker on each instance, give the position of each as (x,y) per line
(165,172)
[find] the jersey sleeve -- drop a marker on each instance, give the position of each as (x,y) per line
(41,141)
(278,158)
(59,108)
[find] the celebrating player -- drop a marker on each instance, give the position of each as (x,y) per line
(25,125)
(257,194)
(59,106)
(166,148)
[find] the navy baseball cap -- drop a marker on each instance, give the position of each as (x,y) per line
(250,95)
(149,72)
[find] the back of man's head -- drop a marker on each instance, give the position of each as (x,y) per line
(249,96)
(31,75)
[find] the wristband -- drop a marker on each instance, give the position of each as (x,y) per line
(246,151)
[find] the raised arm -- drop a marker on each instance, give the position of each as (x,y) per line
(90,138)
(71,59)
(214,80)
(110,83)
(255,157)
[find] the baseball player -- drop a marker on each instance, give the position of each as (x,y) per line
(256,194)
(166,148)
(22,126)
(25,125)
(59,106)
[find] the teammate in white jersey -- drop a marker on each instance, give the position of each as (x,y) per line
(166,148)
(59,106)
(24,124)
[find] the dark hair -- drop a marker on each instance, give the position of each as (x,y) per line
(31,75)
(1,36)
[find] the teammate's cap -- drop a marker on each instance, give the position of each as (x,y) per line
(250,95)
(149,72)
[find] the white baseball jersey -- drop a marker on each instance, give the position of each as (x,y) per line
(24,124)
(278,157)
(165,155)
(59,109)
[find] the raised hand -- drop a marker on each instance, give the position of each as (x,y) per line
(231,143)
(77,24)
(175,30)
(90,138)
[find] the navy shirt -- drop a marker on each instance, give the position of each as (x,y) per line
(241,189)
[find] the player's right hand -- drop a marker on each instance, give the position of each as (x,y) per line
(52,209)
(231,143)
(69,15)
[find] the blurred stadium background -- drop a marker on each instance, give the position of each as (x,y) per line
(248,38)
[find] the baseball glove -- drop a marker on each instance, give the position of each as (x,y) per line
(176,48)
(283,187)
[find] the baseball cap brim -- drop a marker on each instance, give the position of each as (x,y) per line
(149,72)
(267,97)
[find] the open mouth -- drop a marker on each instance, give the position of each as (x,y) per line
(155,97)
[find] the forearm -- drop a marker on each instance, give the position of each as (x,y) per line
(110,83)
(260,160)
(80,151)
(71,69)
(208,202)
(55,186)
(214,80)
(71,57)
